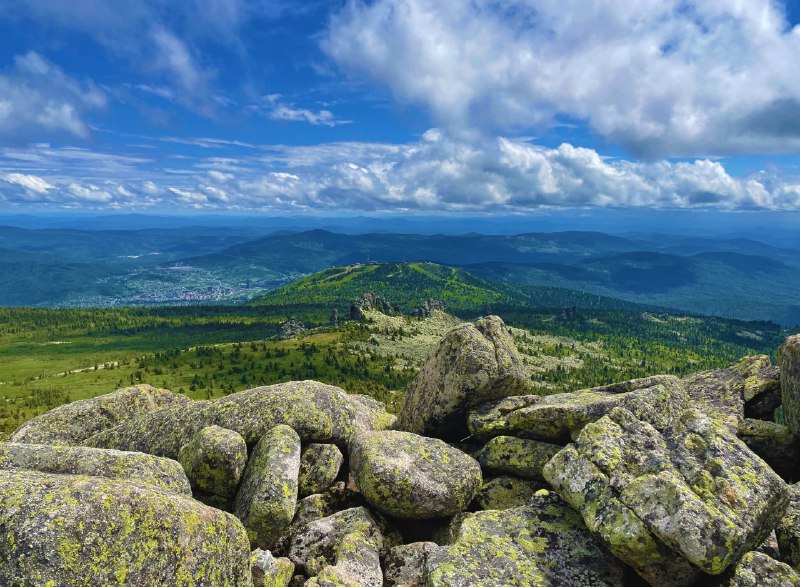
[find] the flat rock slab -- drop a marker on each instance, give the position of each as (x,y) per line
(559,417)
(409,476)
(80,460)
(670,504)
(65,530)
(543,544)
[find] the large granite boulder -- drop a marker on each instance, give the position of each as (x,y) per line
(558,417)
(472,365)
(757,569)
(214,461)
(508,455)
(75,422)
(69,531)
(268,494)
(319,467)
(318,412)
(544,543)
(97,462)
(789,360)
(670,504)
(409,476)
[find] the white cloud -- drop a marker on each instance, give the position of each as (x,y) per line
(663,77)
(275,109)
(29,182)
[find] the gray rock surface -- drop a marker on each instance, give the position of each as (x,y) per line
(214,461)
(405,565)
(269,571)
(756,569)
(508,455)
(319,467)
(788,530)
(789,361)
(774,443)
(502,493)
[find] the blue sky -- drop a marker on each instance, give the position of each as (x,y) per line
(398,106)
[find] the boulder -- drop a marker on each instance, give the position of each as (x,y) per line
(409,476)
(756,569)
(789,360)
(97,462)
(558,417)
(214,461)
(75,422)
(502,493)
(318,412)
(788,530)
(268,494)
(693,497)
(319,467)
(473,364)
(344,549)
(405,564)
(544,543)
(321,505)
(269,571)
(68,530)
(774,443)
(520,457)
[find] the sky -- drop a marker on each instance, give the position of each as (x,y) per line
(504,107)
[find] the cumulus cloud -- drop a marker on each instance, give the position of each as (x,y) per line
(662,77)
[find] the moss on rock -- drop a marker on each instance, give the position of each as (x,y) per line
(214,461)
(519,457)
(502,493)
(269,571)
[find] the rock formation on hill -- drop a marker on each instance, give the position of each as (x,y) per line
(657,480)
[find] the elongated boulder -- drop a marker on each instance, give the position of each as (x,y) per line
(268,494)
(405,565)
(319,467)
(502,493)
(409,476)
(558,417)
(70,531)
(789,360)
(316,411)
(472,365)
(98,462)
(692,494)
(756,569)
(75,422)
(344,549)
(544,544)
(214,461)
(774,443)
(508,455)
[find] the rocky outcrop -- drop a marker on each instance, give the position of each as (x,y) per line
(428,307)
(789,359)
(409,476)
(556,418)
(472,365)
(214,461)
(670,504)
(370,302)
(68,530)
(75,422)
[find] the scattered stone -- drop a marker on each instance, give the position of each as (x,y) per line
(756,569)
(474,364)
(694,494)
(657,400)
(409,476)
(292,328)
(774,443)
(405,564)
(76,530)
(545,543)
(75,422)
(789,359)
(502,493)
(319,467)
(268,495)
(508,455)
(79,460)
(214,461)
(269,571)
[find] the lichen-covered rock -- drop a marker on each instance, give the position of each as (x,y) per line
(319,467)
(692,494)
(544,544)
(502,493)
(321,505)
(472,365)
(344,549)
(520,457)
(409,476)
(788,530)
(214,461)
(371,414)
(789,361)
(558,417)
(97,462)
(774,443)
(269,571)
(78,531)
(268,494)
(756,569)
(317,412)
(75,422)
(405,564)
